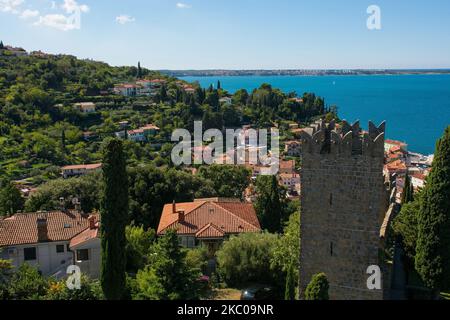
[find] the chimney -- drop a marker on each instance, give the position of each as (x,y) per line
(181,216)
(174,207)
(92,221)
(42,229)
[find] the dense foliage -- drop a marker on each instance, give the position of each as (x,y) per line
(433,242)
(246,258)
(317,289)
(168,276)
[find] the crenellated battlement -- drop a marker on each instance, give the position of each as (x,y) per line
(344,140)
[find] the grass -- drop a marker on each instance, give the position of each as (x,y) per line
(225,294)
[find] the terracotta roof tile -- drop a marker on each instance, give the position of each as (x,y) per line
(22,228)
(229,217)
(210,231)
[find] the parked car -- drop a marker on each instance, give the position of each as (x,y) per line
(258,292)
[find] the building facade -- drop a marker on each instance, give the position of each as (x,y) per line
(343,201)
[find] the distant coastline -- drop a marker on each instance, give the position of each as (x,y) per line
(302,72)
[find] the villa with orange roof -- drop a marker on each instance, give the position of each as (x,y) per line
(208,222)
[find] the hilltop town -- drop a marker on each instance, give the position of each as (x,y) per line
(85,148)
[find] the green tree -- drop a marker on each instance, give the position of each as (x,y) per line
(405,226)
(27,284)
(5,275)
(317,289)
(11,200)
(228,181)
(408,191)
(114,212)
(433,243)
(1,45)
(269,203)
(139,71)
(138,248)
(167,277)
(246,258)
(291,284)
(286,251)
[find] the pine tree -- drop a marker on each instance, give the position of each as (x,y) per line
(1,45)
(218,85)
(318,288)
(433,243)
(289,294)
(114,211)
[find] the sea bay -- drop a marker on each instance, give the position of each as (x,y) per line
(415,107)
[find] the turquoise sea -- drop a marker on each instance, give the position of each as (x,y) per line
(416,107)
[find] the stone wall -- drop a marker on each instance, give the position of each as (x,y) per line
(343,205)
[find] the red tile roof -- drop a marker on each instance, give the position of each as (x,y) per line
(22,229)
(85,236)
(210,231)
(207,216)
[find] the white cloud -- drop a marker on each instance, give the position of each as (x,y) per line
(181,5)
(53,7)
(71,6)
(57,21)
(26,14)
(10,6)
(123,19)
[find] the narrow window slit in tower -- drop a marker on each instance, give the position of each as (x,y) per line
(331,199)
(331,248)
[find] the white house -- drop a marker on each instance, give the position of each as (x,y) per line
(85,107)
(52,241)
(79,170)
(290,180)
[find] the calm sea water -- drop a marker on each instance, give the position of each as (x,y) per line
(416,107)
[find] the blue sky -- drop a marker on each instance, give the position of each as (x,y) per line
(235,34)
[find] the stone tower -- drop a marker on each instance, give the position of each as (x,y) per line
(343,205)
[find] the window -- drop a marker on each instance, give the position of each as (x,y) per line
(60,248)
(29,254)
(83,255)
(331,249)
(331,199)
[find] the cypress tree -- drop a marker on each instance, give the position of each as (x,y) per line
(268,203)
(408,191)
(433,242)
(318,288)
(114,211)
(1,45)
(218,85)
(139,71)
(289,293)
